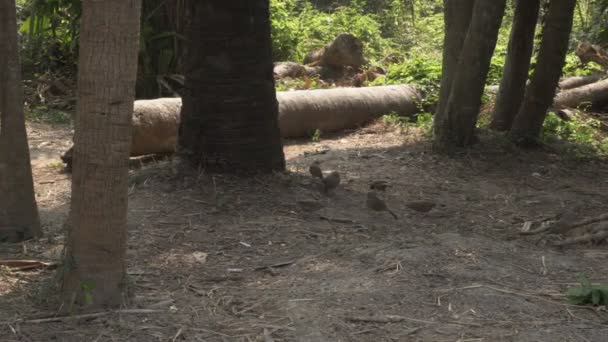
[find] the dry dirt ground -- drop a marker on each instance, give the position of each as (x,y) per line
(217,258)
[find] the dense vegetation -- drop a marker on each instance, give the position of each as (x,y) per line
(405,31)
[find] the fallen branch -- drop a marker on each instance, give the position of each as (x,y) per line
(23,265)
(386,319)
(397,319)
(86,316)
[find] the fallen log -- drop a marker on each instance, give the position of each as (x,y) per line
(564,84)
(301,112)
(593,94)
(156,122)
(155,126)
(579,81)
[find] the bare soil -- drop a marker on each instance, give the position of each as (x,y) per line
(219,258)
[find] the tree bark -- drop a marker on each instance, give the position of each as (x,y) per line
(458,119)
(94,266)
(19,218)
(302,112)
(590,94)
(551,56)
(513,83)
(457,18)
(229,120)
(578,81)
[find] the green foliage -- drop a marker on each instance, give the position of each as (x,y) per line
(50,31)
(425,37)
(497,65)
(394,119)
(583,134)
(587,293)
(591,21)
(87,288)
(317,28)
(573,67)
(316,136)
(423,122)
(284,29)
(47,115)
(56,164)
(425,73)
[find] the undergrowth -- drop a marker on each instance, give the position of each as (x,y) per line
(422,121)
(45,114)
(588,294)
(582,134)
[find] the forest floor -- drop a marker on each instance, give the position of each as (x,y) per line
(218,258)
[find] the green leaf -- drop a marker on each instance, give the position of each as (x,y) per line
(87,285)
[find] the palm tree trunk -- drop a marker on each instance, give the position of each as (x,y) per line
(95,267)
(457,120)
(517,65)
(19,218)
(457,18)
(551,56)
(229,117)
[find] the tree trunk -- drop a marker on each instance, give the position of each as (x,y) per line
(19,218)
(229,120)
(457,18)
(94,273)
(513,83)
(539,96)
(458,119)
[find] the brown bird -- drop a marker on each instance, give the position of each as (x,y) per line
(315,170)
(331,181)
(381,185)
(376,204)
(421,206)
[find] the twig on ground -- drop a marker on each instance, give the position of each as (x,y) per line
(280,264)
(24,265)
(337,220)
(90,315)
(397,319)
(178,334)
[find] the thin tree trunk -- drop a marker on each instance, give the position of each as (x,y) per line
(229,117)
(457,18)
(513,83)
(539,96)
(94,273)
(19,218)
(460,114)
